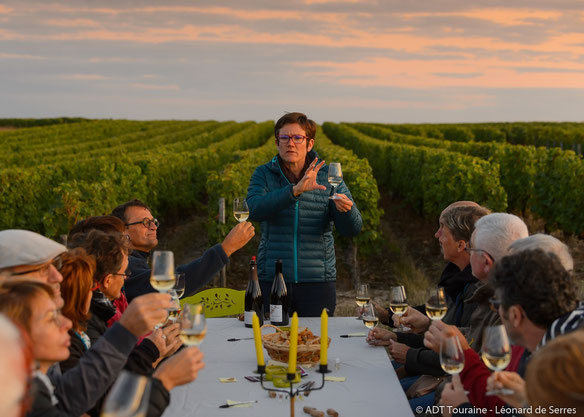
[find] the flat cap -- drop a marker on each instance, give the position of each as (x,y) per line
(23,247)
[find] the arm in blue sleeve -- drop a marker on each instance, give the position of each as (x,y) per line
(263,204)
(202,270)
(350,223)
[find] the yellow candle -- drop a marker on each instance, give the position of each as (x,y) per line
(257,338)
(323,336)
(293,345)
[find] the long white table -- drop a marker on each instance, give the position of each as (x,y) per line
(371,387)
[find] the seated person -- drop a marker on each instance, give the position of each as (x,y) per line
(142,227)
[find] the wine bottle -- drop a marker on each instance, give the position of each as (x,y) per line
(254,302)
(279,298)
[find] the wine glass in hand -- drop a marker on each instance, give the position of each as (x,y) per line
(240,209)
(451,355)
(179,284)
(362,297)
(129,396)
(496,353)
(335,177)
(369,316)
(193,326)
(398,303)
(436,306)
(174,309)
(163,277)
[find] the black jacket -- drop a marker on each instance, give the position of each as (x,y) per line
(197,273)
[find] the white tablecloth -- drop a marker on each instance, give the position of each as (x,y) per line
(371,388)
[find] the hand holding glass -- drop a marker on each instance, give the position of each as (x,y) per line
(240,209)
(335,177)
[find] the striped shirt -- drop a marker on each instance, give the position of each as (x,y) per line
(565,324)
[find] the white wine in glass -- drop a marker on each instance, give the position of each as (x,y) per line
(436,306)
(496,353)
(179,285)
(362,296)
(398,302)
(129,396)
(451,355)
(369,316)
(240,209)
(174,309)
(335,177)
(193,326)
(162,278)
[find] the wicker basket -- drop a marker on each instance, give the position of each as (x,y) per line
(277,344)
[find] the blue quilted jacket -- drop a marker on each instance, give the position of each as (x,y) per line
(298,230)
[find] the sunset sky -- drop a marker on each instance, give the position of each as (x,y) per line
(386,61)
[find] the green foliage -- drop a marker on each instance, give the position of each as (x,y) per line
(39,122)
(429,179)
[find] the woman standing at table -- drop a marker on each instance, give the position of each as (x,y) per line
(289,196)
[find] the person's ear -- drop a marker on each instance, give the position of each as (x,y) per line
(107,282)
(309,145)
(460,245)
(515,315)
(488,263)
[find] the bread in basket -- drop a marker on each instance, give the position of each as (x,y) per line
(278,344)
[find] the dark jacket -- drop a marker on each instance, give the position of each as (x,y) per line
(42,405)
(197,273)
(79,388)
(421,360)
(298,230)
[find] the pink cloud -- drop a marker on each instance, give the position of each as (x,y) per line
(155,87)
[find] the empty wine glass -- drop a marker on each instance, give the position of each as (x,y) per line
(369,316)
(362,297)
(240,209)
(451,355)
(398,303)
(496,353)
(193,326)
(335,177)
(436,306)
(129,396)
(162,278)
(179,284)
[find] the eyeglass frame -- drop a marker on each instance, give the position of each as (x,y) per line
(468,249)
(126,275)
(146,222)
(57,262)
(293,137)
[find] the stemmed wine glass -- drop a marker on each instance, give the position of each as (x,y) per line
(398,302)
(362,297)
(163,277)
(451,355)
(496,353)
(129,396)
(369,316)
(436,306)
(174,309)
(240,209)
(335,177)
(179,285)
(193,326)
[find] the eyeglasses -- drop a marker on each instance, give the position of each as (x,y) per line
(44,269)
(470,250)
(495,304)
(57,317)
(297,139)
(126,275)
(146,222)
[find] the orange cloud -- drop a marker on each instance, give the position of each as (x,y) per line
(72,22)
(501,16)
(5,9)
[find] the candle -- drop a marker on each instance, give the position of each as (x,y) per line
(257,338)
(323,336)
(293,345)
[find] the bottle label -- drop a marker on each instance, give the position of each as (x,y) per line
(247,317)
(275,313)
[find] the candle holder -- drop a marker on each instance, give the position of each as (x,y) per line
(291,392)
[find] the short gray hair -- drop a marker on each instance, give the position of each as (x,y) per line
(548,244)
(495,232)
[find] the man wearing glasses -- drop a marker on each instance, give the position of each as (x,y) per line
(290,197)
(142,227)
